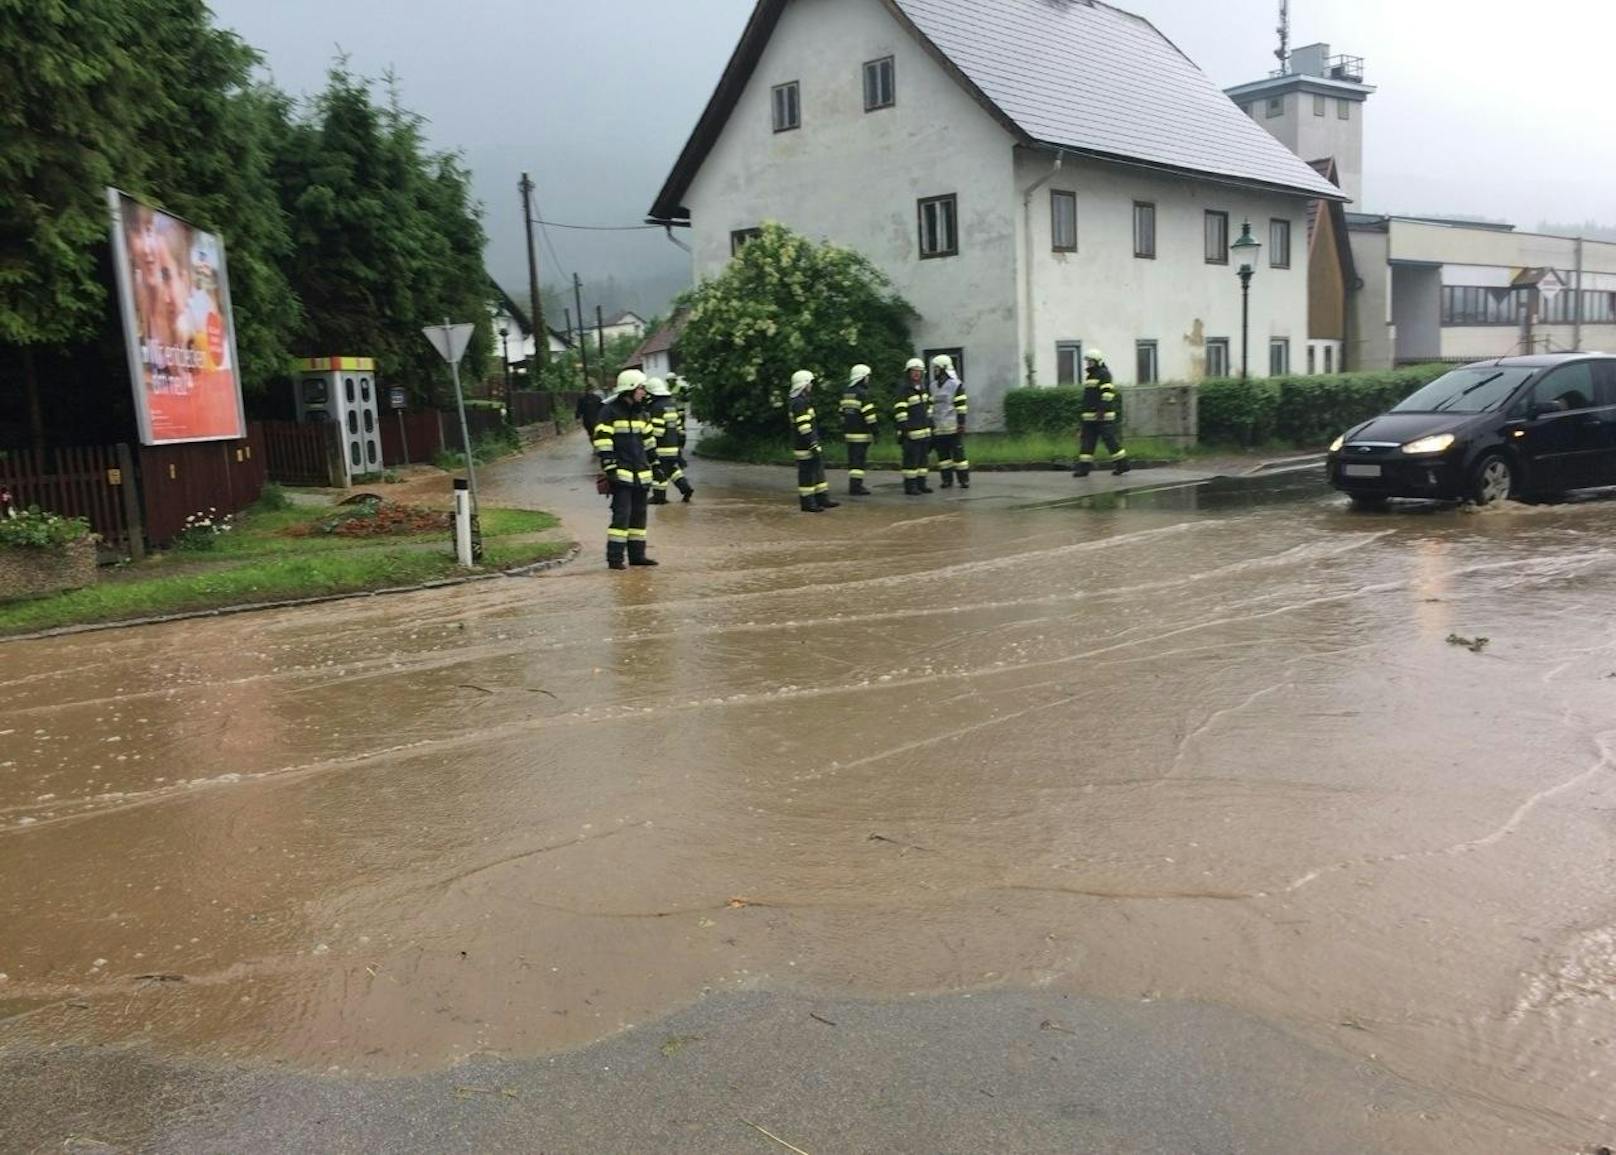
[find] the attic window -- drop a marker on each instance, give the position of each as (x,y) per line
(1343,108)
(787,107)
(739,237)
(1275,107)
(880,84)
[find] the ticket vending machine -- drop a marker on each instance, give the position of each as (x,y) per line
(343,391)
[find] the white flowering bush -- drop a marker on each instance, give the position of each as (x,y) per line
(786,303)
(34,528)
(202,530)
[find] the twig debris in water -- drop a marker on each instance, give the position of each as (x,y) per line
(1474,645)
(820,1019)
(772,1135)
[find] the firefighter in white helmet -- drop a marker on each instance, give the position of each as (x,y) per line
(813,491)
(913,416)
(948,410)
(624,444)
(1099,417)
(667,467)
(858,427)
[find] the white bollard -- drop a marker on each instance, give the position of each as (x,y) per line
(462,522)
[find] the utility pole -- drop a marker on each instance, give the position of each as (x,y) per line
(583,333)
(541,335)
(600,343)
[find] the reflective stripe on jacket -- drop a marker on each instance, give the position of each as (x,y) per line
(913,410)
(624,442)
(1099,396)
(804,431)
(858,413)
(664,426)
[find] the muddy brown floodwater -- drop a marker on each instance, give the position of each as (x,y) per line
(1174,748)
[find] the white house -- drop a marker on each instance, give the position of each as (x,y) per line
(1035,176)
(512,329)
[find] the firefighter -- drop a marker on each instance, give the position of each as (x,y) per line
(948,410)
(858,427)
(913,416)
(813,491)
(667,469)
(1099,417)
(624,444)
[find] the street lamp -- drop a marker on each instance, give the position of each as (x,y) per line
(505,348)
(1246,249)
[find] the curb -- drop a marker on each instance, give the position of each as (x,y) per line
(290,603)
(999,467)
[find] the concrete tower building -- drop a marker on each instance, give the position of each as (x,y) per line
(1315,107)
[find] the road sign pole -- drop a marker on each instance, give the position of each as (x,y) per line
(450,341)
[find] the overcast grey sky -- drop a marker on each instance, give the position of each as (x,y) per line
(1486,107)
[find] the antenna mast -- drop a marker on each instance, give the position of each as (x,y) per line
(1284,52)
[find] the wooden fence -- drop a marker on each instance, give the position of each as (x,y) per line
(179,480)
(421,430)
(531,407)
(302,454)
(95,482)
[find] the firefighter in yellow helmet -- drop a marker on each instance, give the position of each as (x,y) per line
(913,416)
(1099,417)
(858,427)
(813,491)
(667,467)
(624,444)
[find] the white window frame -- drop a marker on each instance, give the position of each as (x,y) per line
(1279,251)
(1319,101)
(877,72)
(1274,107)
(1151,349)
(1221,344)
(1142,251)
(1057,197)
(786,102)
(1279,356)
(1075,348)
(939,222)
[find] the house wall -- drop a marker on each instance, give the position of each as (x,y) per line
(1326,287)
(1109,299)
(1372,334)
(1417,312)
(853,178)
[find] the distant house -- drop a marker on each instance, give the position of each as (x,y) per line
(1035,177)
(658,354)
(513,330)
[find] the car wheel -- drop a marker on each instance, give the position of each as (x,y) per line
(1368,503)
(1492,480)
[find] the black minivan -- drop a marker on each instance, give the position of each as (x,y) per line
(1529,427)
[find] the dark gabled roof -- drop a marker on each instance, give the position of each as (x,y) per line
(663,340)
(1077,75)
(623,317)
(519,314)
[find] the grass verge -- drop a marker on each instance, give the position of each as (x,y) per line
(260,562)
(985,450)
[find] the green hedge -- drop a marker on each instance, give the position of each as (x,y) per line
(1054,410)
(1304,411)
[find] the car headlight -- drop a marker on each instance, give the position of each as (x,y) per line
(1436,444)
(1335,446)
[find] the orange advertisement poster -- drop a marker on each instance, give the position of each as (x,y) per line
(177,326)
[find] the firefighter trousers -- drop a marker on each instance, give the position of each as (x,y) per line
(1095,432)
(858,456)
(629,516)
(916,452)
(811,477)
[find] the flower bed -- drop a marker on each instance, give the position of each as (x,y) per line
(376,518)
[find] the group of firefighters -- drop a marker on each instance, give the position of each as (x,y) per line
(639,437)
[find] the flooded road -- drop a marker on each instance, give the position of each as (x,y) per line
(1202,745)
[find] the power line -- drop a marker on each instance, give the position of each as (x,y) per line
(598,228)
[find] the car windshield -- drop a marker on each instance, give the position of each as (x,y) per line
(1478,390)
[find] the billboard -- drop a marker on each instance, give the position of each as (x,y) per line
(178,330)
